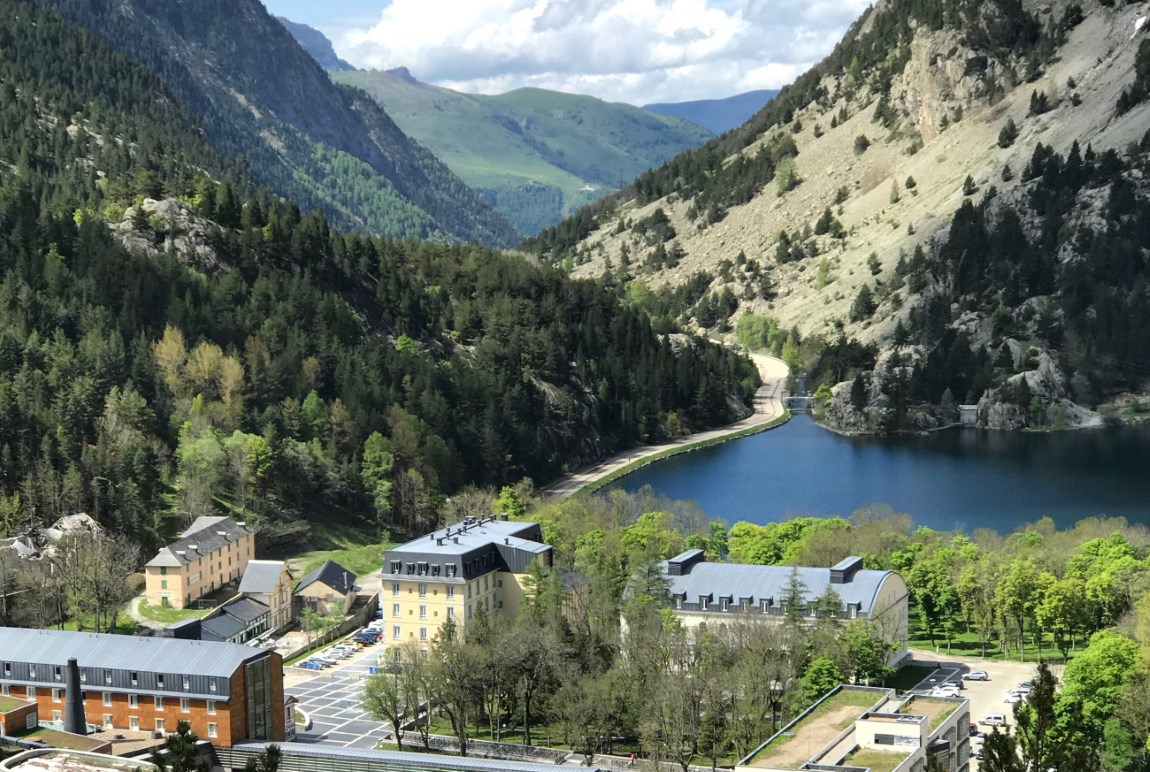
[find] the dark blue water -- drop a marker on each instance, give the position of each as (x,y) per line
(955,479)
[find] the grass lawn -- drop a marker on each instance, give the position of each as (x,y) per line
(125,625)
(965,644)
(349,546)
(168,615)
(11,703)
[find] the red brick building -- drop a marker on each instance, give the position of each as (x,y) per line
(227,692)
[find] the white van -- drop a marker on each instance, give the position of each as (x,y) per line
(994,719)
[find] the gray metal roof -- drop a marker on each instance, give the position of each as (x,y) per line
(461,538)
(262,576)
(124,652)
(213,533)
(736,581)
(331,574)
(432,762)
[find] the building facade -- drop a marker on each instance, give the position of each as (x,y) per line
(709,593)
(326,590)
(213,552)
(477,566)
(270,583)
(225,691)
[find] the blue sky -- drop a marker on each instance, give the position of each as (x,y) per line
(636,51)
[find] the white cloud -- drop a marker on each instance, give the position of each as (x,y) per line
(635,51)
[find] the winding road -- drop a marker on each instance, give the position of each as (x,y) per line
(768,406)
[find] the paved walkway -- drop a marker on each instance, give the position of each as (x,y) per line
(768,406)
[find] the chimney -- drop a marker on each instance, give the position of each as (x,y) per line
(74,719)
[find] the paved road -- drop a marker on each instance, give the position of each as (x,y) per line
(985,697)
(768,406)
(332,699)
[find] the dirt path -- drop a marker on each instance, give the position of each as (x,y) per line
(768,406)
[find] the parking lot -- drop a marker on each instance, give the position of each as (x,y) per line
(986,697)
(331,698)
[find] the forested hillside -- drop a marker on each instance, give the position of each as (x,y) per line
(175,340)
(259,95)
(819,227)
(538,155)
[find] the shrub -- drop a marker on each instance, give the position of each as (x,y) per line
(861,144)
(1008,134)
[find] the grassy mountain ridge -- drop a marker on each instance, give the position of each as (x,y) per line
(260,96)
(717,115)
(537,154)
(825,195)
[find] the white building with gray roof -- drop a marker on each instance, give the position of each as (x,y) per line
(702,592)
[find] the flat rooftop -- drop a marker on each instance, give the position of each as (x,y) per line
(936,710)
(60,740)
(877,761)
(54,760)
(805,737)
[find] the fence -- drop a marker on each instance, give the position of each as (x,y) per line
(362,611)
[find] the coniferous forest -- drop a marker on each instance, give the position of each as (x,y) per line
(228,352)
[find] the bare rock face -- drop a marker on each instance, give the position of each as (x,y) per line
(993,413)
(172,226)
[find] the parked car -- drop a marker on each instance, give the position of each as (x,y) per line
(944,691)
(367,638)
(976,675)
(978,754)
(1024,688)
(326,662)
(955,684)
(994,719)
(1013,697)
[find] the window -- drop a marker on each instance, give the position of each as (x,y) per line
(108,677)
(451,593)
(31,694)
(163,570)
(395,589)
(107,719)
(134,723)
(395,633)
(7,669)
(187,683)
(499,583)
(185,705)
(83,676)
(56,695)
(724,604)
(395,609)
(31,671)
(423,589)
(159,702)
(57,673)
(485,584)
(160,681)
(396,566)
(211,707)
(135,679)
(854,611)
(212,731)
(107,699)
(703,603)
(423,633)
(212,685)
(133,701)
(163,584)
(423,612)
(159,724)
(451,612)
(57,715)
(450,569)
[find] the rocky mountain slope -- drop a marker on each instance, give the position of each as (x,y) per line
(537,155)
(259,95)
(868,157)
(317,45)
(717,115)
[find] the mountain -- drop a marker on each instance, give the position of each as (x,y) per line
(260,96)
(816,227)
(317,45)
(538,155)
(176,340)
(716,115)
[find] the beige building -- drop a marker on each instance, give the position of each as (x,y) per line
(712,593)
(270,583)
(888,734)
(477,566)
(207,556)
(328,590)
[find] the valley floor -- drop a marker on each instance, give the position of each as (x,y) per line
(768,408)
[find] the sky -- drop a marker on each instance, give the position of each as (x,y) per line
(637,51)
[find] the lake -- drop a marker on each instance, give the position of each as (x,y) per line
(961,478)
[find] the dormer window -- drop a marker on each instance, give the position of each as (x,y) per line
(396,566)
(704,602)
(724,604)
